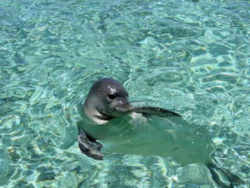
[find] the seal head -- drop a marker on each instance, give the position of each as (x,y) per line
(106,100)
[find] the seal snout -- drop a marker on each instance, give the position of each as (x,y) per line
(120,102)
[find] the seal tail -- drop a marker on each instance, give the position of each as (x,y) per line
(223,177)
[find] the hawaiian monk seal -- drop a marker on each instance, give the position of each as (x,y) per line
(108,100)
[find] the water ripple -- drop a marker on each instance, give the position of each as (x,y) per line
(189,56)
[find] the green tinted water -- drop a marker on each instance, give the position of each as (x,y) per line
(191,56)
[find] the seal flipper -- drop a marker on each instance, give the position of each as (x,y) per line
(233,179)
(89,146)
(148,110)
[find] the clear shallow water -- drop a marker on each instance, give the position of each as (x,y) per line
(190,56)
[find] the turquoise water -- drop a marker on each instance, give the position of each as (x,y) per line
(190,56)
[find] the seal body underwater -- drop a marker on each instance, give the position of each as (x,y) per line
(109,127)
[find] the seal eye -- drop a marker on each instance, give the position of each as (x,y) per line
(111,96)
